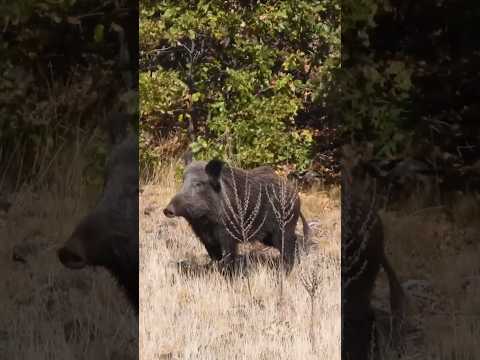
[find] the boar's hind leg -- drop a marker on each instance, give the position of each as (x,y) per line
(397,303)
(360,336)
(289,244)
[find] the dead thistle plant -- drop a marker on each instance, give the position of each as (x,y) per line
(240,216)
(282,198)
(311,283)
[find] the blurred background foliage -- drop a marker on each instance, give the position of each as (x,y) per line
(410,81)
(245,80)
(65,65)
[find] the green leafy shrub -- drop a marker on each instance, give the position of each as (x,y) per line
(237,76)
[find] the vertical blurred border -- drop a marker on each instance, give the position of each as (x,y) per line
(409,93)
(66,67)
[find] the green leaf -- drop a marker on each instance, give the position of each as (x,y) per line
(196,97)
(99,33)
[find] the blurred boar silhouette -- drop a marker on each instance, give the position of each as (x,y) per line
(108,235)
(363,254)
(225,205)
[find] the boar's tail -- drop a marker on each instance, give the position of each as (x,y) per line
(306,228)
(306,233)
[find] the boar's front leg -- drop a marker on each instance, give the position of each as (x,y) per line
(214,251)
(228,247)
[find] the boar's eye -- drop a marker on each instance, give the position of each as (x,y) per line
(197,184)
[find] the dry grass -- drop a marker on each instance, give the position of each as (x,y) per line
(204,316)
(437,261)
(46,310)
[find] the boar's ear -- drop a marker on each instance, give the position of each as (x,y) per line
(214,169)
(374,169)
(380,168)
(187,157)
(117,127)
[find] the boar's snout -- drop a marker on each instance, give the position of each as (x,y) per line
(169,211)
(72,256)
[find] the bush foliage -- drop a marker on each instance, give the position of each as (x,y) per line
(234,75)
(409,79)
(59,76)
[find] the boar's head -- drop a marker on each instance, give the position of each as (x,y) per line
(108,235)
(200,195)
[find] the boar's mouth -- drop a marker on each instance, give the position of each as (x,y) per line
(168,213)
(70,259)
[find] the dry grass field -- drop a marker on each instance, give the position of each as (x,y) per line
(48,311)
(204,316)
(437,259)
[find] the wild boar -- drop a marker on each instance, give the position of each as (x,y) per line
(225,205)
(108,235)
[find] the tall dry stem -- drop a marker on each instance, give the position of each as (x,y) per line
(282,198)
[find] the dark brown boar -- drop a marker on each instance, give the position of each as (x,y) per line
(363,254)
(108,235)
(226,205)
